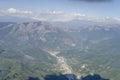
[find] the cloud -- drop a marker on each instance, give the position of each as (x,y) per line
(15,12)
(12,10)
(51,15)
(58,16)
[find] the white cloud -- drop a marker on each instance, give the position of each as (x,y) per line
(55,12)
(46,16)
(12,10)
(53,15)
(58,16)
(16,13)
(24,12)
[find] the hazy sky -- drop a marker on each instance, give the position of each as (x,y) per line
(104,8)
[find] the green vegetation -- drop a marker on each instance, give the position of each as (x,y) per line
(103,60)
(24,50)
(15,65)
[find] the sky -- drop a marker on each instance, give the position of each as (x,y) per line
(93,8)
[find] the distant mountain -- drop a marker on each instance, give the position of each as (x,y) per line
(45,34)
(38,48)
(83,23)
(37,34)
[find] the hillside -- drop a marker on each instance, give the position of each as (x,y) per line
(36,49)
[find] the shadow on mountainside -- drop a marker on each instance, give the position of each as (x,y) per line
(69,77)
(33,78)
(73,77)
(93,77)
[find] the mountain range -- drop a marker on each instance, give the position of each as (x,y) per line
(38,48)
